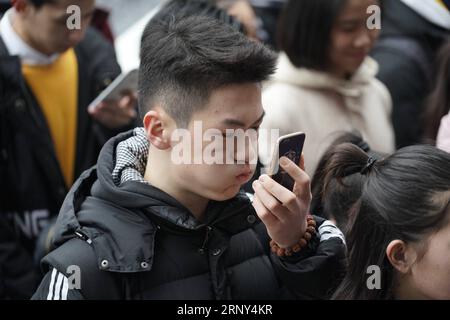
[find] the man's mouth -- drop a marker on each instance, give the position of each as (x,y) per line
(244,177)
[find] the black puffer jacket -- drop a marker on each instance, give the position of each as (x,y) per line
(134,241)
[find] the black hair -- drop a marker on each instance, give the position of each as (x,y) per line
(39,3)
(304,31)
(404,196)
(186,8)
(438,103)
(341,195)
(183,59)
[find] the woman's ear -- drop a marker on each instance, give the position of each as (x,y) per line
(155,127)
(401,256)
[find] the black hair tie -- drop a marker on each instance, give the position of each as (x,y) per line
(370,162)
(363,146)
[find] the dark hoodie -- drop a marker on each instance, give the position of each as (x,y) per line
(131,240)
(406,53)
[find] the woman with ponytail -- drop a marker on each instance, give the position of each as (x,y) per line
(335,204)
(400,224)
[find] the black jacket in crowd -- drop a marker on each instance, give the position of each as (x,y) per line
(133,241)
(406,53)
(32,187)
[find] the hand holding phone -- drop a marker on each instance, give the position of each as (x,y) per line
(115,107)
(282,201)
(125,83)
(291,147)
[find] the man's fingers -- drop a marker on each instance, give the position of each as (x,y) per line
(263,213)
(132,113)
(285,196)
(302,162)
(269,201)
(124,102)
(302,181)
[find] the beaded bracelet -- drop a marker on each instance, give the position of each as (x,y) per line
(303,242)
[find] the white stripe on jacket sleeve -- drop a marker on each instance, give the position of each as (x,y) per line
(65,289)
(50,289)
(59,290)
(58,287)
(328,230)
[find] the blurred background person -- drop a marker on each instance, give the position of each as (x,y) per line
(411,35)
(325,81)
(242,11)
(259,17)
(49,75)
(100,18)
(185,8)
(438,103)
(268,12)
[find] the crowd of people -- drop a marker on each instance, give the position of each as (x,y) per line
(98,188)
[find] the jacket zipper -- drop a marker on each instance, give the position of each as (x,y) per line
(83,236)
(205,241)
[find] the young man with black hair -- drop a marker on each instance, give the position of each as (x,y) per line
(49,74)
(143,226)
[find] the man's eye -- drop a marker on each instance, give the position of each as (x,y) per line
(349,27)
(227,136)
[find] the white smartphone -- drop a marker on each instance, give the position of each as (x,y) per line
(123,83)
(290,146)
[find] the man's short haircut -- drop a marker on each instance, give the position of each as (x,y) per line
(183,59)
(304,31)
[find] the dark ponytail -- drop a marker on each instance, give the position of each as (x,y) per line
(403,196)
(343,189)
(346,159)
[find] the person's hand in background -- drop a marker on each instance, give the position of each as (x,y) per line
(115,114)
(244,13)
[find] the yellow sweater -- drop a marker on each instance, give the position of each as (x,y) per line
(55,87)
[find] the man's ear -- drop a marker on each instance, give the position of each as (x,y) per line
(156,127)
(401,256)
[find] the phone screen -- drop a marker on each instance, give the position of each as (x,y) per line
(123,83)
(290,146)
